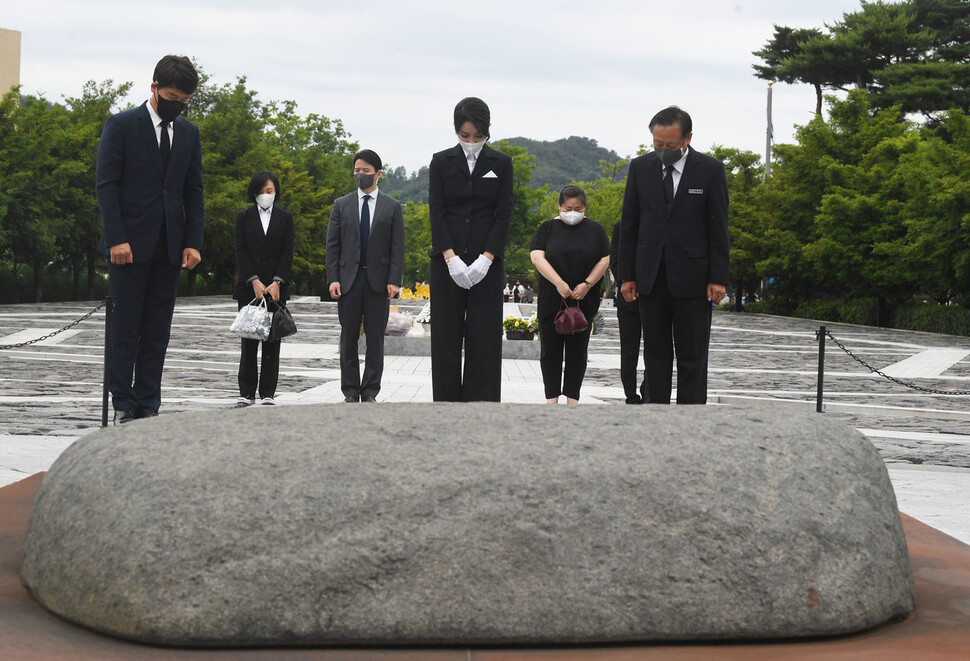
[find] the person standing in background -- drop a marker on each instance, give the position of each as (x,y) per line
(365,265)
(571,254)
(264,256)
(631,330)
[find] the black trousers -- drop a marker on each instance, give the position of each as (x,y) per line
(265,378)
(143,294)
(631,330)
(471,318)
(555,350)
(669,321)
(361,304)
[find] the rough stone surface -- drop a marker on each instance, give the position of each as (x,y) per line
(469,523)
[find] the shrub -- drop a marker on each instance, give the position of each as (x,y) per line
(933,318)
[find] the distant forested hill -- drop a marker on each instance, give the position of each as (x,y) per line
(566,160)
(557,163)
(396,182)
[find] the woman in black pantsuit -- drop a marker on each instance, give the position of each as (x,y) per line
(571,253)
(470,199)
(264,257)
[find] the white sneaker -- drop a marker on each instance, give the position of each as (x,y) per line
(244,401)
(267,401)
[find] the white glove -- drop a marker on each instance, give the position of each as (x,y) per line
(459,272)
(478,269)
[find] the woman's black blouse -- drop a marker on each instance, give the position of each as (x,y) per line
(573,251)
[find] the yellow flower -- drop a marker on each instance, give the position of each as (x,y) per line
(515,323)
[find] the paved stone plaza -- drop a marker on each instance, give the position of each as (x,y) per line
(50,392)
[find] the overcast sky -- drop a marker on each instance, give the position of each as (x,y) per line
(392,71)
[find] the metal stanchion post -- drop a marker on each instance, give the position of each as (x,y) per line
(108,308)
(821,367)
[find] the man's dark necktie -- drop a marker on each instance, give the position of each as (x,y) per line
(364,229)
(165,146)
(669,185)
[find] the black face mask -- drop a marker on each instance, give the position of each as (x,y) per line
(364,181)
(669,156)
(167,109)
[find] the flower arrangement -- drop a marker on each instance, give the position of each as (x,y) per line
(419,293)
(424,317)
(534,324)
(515,324)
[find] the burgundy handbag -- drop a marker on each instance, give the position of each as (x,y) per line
(570,319)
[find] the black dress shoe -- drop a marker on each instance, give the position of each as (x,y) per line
(146,412)
(636,399)
(123,415)
(368,398)
(350,399)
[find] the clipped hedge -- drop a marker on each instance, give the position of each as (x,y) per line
(933,318)
(914,315)
(861,311)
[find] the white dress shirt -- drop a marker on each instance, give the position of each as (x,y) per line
(264,217)
(157,122)
(371,203)
(678,169)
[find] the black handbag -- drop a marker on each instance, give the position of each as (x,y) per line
(283,324)
(570,319)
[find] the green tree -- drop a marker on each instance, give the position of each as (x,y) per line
(38,184)
(934,195)
(417,242)
(241,136)
(320,148)
(940,80)
(883,48)
(526,214)
(746,220)
(785,60)
(231,124)
(78,246)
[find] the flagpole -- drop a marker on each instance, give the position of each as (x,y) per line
(768,135)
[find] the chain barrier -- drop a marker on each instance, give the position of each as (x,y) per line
(58,331)
(905,384)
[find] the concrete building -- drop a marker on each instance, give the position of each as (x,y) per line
(9,59)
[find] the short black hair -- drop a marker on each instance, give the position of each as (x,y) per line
(176,71)
(474,110)
(571,191)
(258,181)
(673,115)
(369,156)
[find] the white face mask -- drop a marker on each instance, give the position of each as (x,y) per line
(265,200)
(572,217)
(471,148)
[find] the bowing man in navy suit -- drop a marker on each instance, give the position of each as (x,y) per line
(149,186)
(674,255)
(365,264)
(470,202)
(264,256)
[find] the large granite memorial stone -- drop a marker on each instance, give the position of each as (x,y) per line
(406,524)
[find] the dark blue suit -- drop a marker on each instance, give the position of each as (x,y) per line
(159,213)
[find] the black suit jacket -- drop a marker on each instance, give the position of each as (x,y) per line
(621,303)
(470,213)
(385,243)
(267,256)
(136,197)
(692,237)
